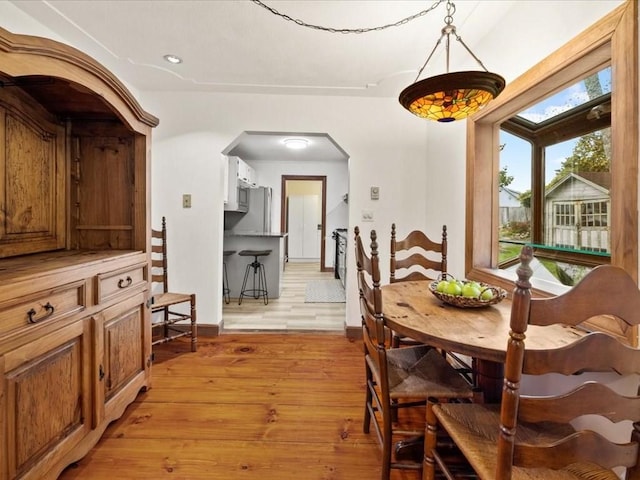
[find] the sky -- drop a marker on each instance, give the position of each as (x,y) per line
(516,154)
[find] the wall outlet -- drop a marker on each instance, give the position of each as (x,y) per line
(367,215)
(186,200)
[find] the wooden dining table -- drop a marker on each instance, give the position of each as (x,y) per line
(480,333)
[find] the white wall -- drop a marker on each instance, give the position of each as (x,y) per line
(387,148)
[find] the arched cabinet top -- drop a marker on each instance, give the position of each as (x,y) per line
(67,82)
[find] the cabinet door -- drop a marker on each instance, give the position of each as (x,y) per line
(32,184)
(243,170)
(47,405)
(122,360)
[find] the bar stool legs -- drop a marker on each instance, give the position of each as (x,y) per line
(225,279)
(259,282)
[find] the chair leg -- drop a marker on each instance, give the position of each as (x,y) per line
(244,283)
(386,446)
(366,426)
(194,327)
(428,465)
(263,284)
(225,284)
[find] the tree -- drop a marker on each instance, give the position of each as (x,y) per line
(505,179)
(589,155)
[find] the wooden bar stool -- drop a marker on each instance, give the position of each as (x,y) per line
(225,279)
(259,288)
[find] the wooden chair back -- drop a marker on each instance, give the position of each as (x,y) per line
(368,275)
(417,257)
(606,290)
(159,275)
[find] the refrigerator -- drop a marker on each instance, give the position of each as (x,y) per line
(258,216)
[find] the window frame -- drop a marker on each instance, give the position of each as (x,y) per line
(612,40)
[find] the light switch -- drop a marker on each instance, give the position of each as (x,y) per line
(186,200)
(375,193)
(367,215)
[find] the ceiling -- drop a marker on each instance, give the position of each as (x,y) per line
(240,46)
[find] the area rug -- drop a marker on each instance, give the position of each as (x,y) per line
(324,291)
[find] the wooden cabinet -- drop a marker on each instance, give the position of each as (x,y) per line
(46,385)
(75,331)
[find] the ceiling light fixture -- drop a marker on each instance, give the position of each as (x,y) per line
(451,96)
(172,59)
(296,143)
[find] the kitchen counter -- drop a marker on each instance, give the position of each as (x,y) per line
(231,233)
(236,265)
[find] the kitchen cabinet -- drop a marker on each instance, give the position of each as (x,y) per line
(75,331)
(241,177)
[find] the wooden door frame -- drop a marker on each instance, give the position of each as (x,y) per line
(283,212)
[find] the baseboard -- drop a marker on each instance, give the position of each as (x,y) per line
(208,330)
(353,333)
(203,330)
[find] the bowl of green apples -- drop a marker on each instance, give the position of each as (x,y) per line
(466,293)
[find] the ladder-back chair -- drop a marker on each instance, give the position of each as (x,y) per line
(417,257)
(396,378)
(545,435)
(171,307)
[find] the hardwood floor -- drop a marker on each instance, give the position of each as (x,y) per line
(268,406)
(289,312)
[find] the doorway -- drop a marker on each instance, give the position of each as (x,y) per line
(303,216)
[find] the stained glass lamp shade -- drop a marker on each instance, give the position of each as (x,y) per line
(451,96)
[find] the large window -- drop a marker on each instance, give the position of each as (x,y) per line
(609,213)
(555,162)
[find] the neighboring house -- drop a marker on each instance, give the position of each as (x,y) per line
(577,210)
(511,210)
(509,198)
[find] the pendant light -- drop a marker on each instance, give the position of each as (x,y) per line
(451,96)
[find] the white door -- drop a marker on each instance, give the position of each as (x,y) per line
(304,236)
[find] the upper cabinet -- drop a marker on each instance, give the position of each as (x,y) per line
(245,175)
(241,177)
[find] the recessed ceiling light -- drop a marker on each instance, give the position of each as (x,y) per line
(173,59)
(296,143)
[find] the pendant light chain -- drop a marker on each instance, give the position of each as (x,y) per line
(349,30)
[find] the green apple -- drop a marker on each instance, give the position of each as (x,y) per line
(442,286)
(453,288)
(471,291)
(487,294)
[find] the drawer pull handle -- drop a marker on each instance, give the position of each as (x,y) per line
(32,313)
(124,283)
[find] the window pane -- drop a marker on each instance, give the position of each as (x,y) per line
(578,176)
(515,195)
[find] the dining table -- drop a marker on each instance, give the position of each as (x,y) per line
(482,333)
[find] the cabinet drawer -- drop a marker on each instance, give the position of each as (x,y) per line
(121,282)
(43,306)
